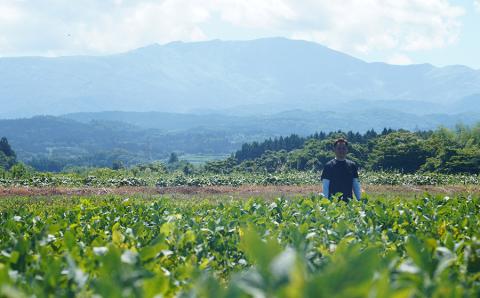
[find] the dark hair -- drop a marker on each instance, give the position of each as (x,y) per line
(340,140)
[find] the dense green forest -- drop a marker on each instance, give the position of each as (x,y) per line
(442,150)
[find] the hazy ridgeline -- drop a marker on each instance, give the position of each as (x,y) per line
(260,76)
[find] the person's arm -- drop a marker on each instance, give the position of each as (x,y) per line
(326,176)
(325,186)
(357,189)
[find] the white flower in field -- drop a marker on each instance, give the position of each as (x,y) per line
(80,278)
(5,254)
(13,274)
(332,247)
(167,252)
(100,251)
(408,267)
(75,273)
(129,257)
(283,263)
(47,240)
(242,262)
(17,218)
(165,271)
(272,206)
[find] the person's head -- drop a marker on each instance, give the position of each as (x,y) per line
(340,147)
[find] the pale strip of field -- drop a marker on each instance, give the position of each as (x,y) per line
(244,191)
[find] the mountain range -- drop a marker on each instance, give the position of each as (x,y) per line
(264,76)
(258,127)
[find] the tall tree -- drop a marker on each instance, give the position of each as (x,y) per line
(173,158)
(5,148)
(402,151)
(7,156)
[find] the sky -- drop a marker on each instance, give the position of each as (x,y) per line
(440,32)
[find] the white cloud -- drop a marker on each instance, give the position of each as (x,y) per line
(9,13)
(92,26)
(399,59)
(477,5)
(365,25)
(254,13)
(103,26)
(144,23)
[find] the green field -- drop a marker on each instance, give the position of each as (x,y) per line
(116,178)
(156,246)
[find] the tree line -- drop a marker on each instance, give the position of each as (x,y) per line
(442,150)
(256,149)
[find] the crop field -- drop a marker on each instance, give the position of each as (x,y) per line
(110,178)
(238,235)
(151,245)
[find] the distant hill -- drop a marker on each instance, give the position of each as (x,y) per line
(262,76)
(470,103)
(68,139)
(293,121)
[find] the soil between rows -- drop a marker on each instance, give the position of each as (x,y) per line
(268,191)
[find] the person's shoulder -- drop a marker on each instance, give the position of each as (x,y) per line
(330,163)
(351,162)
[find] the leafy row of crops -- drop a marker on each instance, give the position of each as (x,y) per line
(300,247)
(235,179)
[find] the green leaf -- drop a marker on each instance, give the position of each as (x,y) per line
(420,255)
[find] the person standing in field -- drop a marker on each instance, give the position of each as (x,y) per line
(340,175)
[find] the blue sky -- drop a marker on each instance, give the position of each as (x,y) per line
(440,32)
